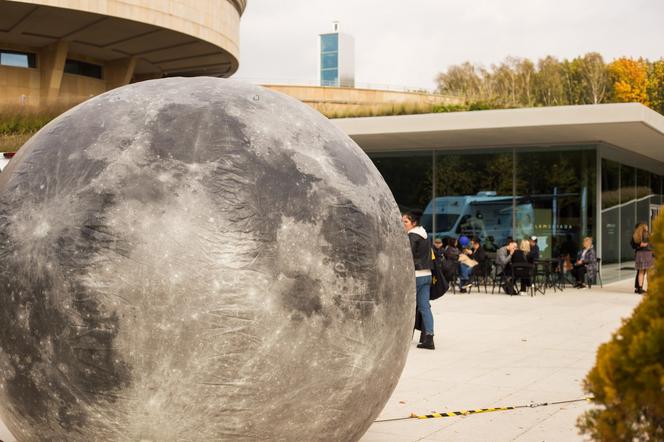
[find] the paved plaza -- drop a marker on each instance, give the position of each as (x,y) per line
(497,350)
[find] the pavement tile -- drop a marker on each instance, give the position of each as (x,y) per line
(504,351)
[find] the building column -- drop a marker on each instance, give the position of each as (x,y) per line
(51,66)
(119,72)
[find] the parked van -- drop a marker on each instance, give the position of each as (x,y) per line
(482,215)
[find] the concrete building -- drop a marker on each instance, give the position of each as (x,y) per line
(558,173)
(61,52)
(345,101)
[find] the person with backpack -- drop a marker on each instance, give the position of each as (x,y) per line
(421,250)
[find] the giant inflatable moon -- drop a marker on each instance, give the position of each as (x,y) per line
(198,259)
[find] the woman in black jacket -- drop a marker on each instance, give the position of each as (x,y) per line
(421,249)
(522,256)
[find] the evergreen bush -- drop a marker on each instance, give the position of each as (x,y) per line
(627,381)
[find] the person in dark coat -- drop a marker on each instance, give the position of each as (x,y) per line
(523,256)
(451,259)
(478,254)
(477,251)
(438,249)
(534,249)
(421,250)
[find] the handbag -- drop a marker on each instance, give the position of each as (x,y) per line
(467,260)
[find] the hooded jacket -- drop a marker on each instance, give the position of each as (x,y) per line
(419,245)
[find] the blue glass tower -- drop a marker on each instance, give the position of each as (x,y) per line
(337,59)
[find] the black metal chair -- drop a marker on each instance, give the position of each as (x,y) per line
(564,277)
(545,275)
(505,279)
(451,272)
(481,274)
(524,271)
(598,275)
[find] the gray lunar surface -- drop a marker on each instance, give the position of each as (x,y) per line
(198,259)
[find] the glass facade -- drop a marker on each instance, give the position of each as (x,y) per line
(629,196)
(559,188)
(555,193)
(499,194)
(329,60)
(329,43)
(329,77)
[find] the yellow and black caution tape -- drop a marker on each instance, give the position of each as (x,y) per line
(459,413)
(435,415)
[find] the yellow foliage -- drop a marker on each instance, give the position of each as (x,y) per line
(630,80)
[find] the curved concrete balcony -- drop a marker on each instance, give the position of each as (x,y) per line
(161,38)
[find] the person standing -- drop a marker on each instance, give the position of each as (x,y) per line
(421,250)
(534,254)
(643,256)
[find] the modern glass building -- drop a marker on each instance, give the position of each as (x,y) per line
(337,59)
(556,173)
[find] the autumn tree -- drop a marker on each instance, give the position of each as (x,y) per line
(629,78)
(656,85)
(519,82)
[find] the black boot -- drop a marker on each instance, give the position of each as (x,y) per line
(421,337)
(428,343)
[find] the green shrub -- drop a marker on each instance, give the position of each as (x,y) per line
(627,381)
(441,108)
(18,121)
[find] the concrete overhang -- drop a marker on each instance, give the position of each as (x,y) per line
(195,37)
(629,126)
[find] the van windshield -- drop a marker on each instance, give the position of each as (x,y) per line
(444,222)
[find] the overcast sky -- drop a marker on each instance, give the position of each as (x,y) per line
(406,42)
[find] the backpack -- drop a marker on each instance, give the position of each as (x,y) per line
(439,285)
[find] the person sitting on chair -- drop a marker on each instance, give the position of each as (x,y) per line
(451,261)
(438,249)
(504,265)
(477,251)
(466,264)
(586,263)
(523,256)
(478,254)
